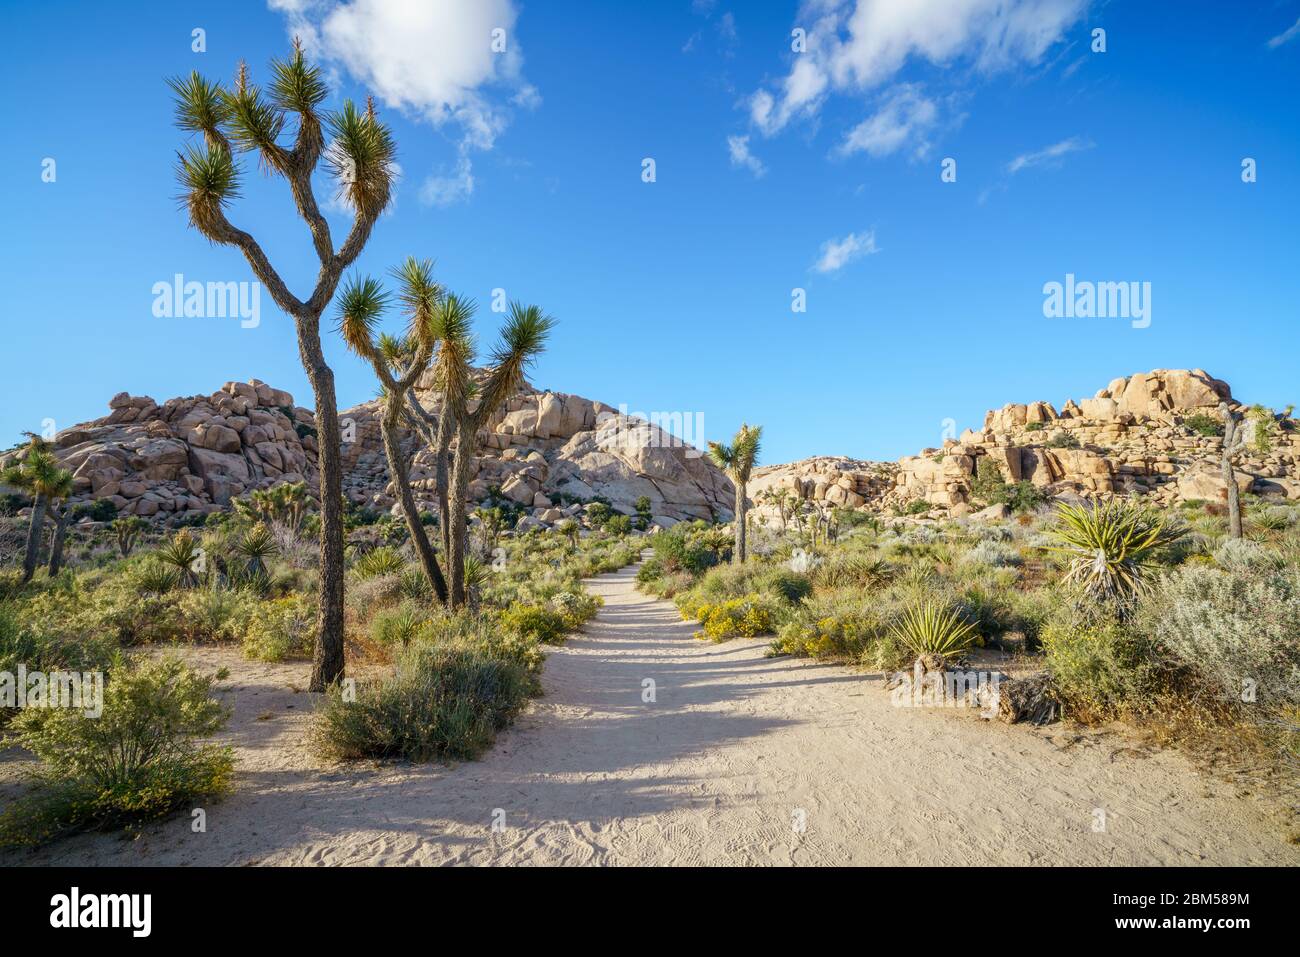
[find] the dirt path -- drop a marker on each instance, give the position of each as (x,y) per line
(733,753)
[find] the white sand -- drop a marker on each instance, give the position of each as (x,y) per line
(717,771)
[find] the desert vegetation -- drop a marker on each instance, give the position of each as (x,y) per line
(437,682)
(1115,611)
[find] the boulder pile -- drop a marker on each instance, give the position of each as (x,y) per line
(548,452)
(1132,437)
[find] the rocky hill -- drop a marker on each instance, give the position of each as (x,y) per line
(1133,436)
(547,451)
(550,452)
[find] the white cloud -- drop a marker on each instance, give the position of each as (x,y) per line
(431,60)
(444,190)
(1048,155)
(856,46)
(738,147)
(1286,36)
(904,118)
(838,253)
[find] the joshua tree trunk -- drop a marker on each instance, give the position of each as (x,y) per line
(401,479)
(60,533)
(459,490)
(1231,445)
(327,661)
(441,476)
(739,548)
(35,532)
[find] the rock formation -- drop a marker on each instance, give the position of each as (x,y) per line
(547,451)
(1131,438)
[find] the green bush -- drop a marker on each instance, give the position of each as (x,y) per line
(1204,423)
(536,622)
(442,701)
(281,628)
(1100,669)
(1063,440)
(139,760)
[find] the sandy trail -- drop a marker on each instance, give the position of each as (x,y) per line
(735,751)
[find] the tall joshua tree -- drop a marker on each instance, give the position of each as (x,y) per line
(245,119)
(398,363)
(38,474)
(522,339)
(1234,440)
(737,460)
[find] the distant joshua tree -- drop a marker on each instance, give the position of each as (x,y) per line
(398,363)
(38,474)
(738,460)
(360,155)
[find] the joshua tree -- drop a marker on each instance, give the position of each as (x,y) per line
(128,532)
(1234,440)
(399,363)
(244,119)
(523,337)
(737,460)
(284,504)
(38,474)
(62,516)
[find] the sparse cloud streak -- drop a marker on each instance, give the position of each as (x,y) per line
(838,253)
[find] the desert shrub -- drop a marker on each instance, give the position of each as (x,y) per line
(1204,423)
(915,507)
(118,611)
(859,571)
(994,554)
(138,760)
(211,614)
(1062,440)
(364,596)
(536,622)
(1024,497)
(442,701)
(378,562)
(575,607)
(744,617)
(397,626)
(840,636)
(281,628)
(681,548)
(1100,668)
(618,524)
(1242,555)
(1231,627)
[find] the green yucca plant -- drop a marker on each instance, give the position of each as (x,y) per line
(1109,546)
(183,556)
(155,578)
(379,561)
(933,630)
(255,547)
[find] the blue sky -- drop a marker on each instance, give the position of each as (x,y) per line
(775,170)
